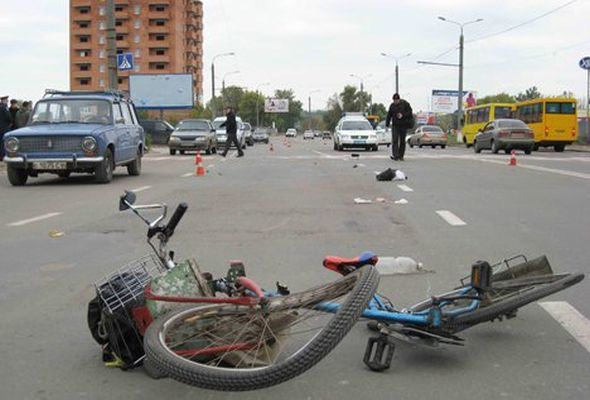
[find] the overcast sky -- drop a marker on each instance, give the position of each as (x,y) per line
(314,45)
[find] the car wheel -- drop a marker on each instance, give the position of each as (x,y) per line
(476,147)
(134,169)
(495,147)
(104,171)
(376,148)
(208,149)
(214,150)
(559,148)
(16,176)
(419,144)
(64,174)
(181,152)
(528,150)
(335,146)
(411,144)
(536,147)
(172,152)
(433,146)
(443,146)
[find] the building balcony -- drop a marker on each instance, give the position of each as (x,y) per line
(82,31)
(158,29)
(159,59)
(122,14)
(76,45)
(158,14)
(76,74)
(122,44)
(124,29)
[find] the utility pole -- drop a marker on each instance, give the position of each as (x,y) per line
(396,67)
(112,45)
(213,111)
(460,94)
(257,96)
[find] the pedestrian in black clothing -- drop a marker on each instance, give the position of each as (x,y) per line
(13,110)
(231,129)
(5,122)
(401,118)
(23,114)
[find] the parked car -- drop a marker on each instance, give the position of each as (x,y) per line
(428,135)
(383,134)
(317,134)
(291,132)
(261,135)
(308,135)
(193,134)
(248,134)
(158,130)
(355,131)
(326,135)
(504,134)
(222,136)
(88,132)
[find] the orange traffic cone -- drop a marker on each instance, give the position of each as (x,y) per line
(200,170)
(512,158)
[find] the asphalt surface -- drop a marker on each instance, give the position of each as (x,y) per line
(281,212)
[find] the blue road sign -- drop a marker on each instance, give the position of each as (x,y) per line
(125,61)
(585,63)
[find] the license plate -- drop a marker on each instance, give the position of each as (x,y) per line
(186,144)
(517,135)
(359,142)
(49,165)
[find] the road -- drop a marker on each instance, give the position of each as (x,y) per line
(281,212)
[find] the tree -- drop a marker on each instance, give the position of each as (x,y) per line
(497,98)
(529,94)
(334,113)
(378,109)
(248,103)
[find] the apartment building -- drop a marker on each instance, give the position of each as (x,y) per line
(164,36)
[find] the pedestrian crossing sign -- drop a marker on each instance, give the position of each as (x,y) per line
(125,61)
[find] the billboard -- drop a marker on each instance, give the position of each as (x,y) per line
(445,101)
(276,105)
(158,91)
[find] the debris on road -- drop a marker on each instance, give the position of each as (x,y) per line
(391,175)
(399,266)
(359,200)
(401,201)
(54,234)
(361,165)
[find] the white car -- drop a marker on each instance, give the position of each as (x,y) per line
(291,132)
(355,131)
(222,135)
(383,134)
(308,135)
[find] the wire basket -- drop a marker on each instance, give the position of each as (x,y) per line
(127,284)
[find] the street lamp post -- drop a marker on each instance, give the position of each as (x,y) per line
(257,96)
(213,79)
(460,94)
(396,67)
(361,78)
(223,83)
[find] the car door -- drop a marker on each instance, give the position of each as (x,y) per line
(123,144)
(135,130)
(488,134)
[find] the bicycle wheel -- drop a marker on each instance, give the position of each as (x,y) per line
(505,299)
(234,348)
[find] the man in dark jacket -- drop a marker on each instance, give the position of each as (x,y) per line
(231,129)
(13,110)
(401,118)
(5,122)
(23,114)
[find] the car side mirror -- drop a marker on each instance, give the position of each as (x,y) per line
(126,199)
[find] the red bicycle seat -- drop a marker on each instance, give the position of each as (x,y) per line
(346,265)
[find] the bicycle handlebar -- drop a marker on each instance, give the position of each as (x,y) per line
(175,219)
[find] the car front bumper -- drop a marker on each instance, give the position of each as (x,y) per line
(73,163)
(189,145)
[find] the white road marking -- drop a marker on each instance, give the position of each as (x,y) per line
(405,188)
(542,169)
(571,319)
(192,173)
(451,218)
(141,189)
(35,219)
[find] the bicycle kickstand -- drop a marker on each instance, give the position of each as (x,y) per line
(379,352)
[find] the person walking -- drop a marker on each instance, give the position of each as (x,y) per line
(5,122)
(23,114)
(400,118)
(231,129)
(13,110)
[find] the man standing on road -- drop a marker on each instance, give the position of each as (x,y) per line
(5,122)
(231,129)
(22,115)
(401,118)
(13,110)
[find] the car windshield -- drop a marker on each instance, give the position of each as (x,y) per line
(511,123)
(70,111)
(356,126)
(192,126)
(217,124)
(432,129)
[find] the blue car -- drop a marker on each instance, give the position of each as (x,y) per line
(87,132)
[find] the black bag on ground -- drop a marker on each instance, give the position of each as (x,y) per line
(386,175)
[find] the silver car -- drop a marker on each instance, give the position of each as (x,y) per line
(191,135)
(428,135)
(504,134)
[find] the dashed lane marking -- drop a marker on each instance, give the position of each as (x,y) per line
(34,219)
(141,189)
(187,175)
(571,319)
(405,188)
(451,218)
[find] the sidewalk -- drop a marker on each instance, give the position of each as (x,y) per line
(578,147)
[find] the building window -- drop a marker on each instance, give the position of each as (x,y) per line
(101,11)
(85,53)
(118,22)
(102,39)
(137,53)
(102,68)
(84,24)
(118,8)
(136,38)
(120,80)
(102,54)
(84,10)
(84,39)
(120,37)
(160,52)
(84,67)
(102,25)
(160,37)
(137,9)
(137,24)
(119,51)
(160,8)
(160,22)
(101,83)
(85,81)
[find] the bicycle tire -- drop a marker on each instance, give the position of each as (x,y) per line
(507,304)
(363,285)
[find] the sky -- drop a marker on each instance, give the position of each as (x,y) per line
(314,46)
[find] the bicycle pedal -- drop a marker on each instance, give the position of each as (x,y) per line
(379,353)
(282,289)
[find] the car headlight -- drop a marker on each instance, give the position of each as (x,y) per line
(200,138)
(11,145)
(89,144)
(174,139)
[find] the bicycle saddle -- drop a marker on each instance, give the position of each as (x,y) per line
(347,265)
